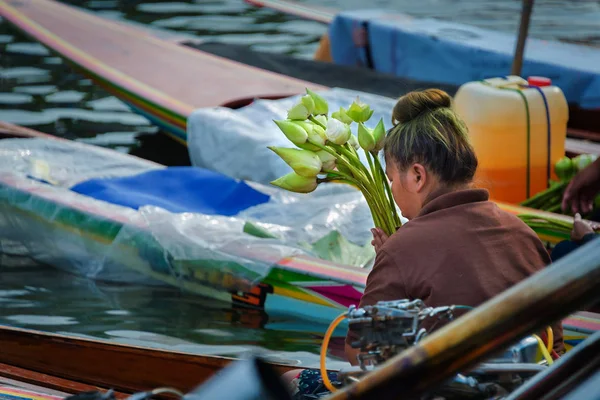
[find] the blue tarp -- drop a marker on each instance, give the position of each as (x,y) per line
(451,53)
(176,189)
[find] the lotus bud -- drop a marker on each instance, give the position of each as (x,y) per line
(337,132)
(354,142)
(322,119)
(320,133)
(306,125)
(316,134)
(296,183)
(582,161)
(309,103)
(304,162)
(365,138)
(379,136)
(299,112)
(327,159)
(321,106)
(342,115)
(294,132)
(359,111)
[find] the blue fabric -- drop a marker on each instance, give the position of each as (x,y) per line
(177,189)
(451,53)
(566,246)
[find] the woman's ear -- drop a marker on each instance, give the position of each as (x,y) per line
(419,176)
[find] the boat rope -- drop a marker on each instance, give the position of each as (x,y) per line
(324,347)
(550,335)
(544,350)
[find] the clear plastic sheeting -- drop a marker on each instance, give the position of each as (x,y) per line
(221,252)
(208,254)
(60,228)
(308,217)
(65,163)
(234,142)
(208,250)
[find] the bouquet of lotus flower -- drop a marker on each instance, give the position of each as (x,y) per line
(327,151)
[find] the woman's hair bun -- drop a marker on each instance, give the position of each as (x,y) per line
(416,103)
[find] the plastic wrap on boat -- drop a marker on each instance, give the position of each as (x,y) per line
(226,253)
(209,254)
(63,229)
(65,163)
(219,136)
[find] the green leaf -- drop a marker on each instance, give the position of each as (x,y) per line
(258,231)
(336,248)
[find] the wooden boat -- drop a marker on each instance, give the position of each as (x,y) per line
(584,121)
(72,365)
(126,65)
(47,216)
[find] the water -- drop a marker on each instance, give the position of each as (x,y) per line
(39,91)
(42,298)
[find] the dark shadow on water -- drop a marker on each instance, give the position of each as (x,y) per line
(162,149)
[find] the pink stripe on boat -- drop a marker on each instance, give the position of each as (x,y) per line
(345,295)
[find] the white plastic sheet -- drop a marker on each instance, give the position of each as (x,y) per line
(110,242)
(65,163)
(234,142)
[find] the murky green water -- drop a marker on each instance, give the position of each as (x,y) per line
(39,91)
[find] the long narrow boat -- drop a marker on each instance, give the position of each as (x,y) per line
(73,365)
(108,239)
(450,53)
(137,66)
(123,59)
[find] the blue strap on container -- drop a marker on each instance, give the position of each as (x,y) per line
(528,119)
(549,161)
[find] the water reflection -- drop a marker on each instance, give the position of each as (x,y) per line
(163,317)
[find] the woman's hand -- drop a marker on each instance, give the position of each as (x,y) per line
(379,238)
(581,228)
(582,190)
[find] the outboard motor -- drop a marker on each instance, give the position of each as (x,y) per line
(389,327)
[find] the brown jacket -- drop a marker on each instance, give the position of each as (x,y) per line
(461,249)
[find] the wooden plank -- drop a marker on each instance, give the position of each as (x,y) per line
(43,383)
(105,364)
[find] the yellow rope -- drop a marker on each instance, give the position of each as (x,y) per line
(544,350)
(324,346)
(550,335)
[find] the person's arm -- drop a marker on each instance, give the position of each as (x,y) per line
(583,188)
(383,283)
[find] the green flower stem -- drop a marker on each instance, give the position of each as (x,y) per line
(536,220)
(376,173)
(353,158)
(377,205)
(530,202)
(356,172)
(370,201)
(388,190)
(554,208)
(373,170)
(316,121)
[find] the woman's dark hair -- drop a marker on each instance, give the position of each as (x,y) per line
(428,131)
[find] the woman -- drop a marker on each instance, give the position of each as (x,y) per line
(458,247)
